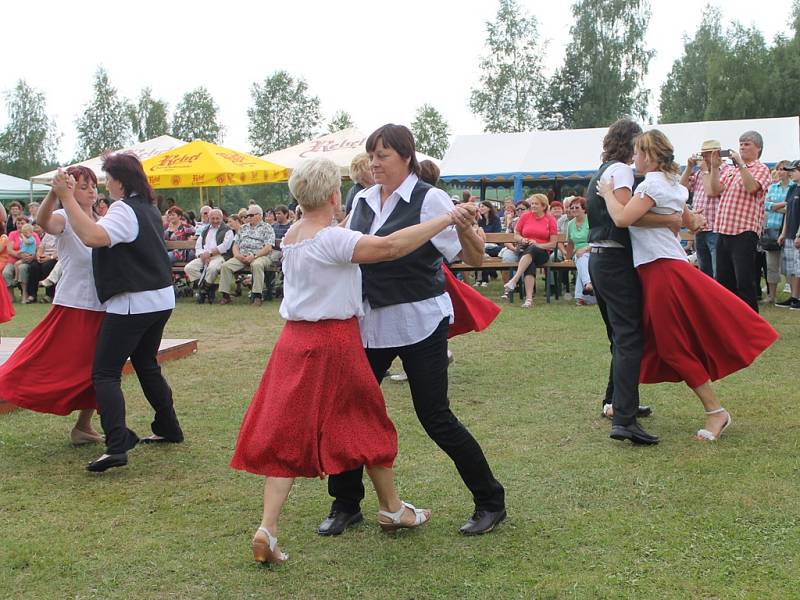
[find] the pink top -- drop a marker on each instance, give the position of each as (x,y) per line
(13,237)
(537,229)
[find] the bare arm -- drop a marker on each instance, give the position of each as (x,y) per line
(89,232)
(50,223)
(374,249)
(3,215)
(687,172)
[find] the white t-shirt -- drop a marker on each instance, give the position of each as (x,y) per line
(76,288)
(122,227)
(623,178)
(652,243)
(408,323)
(319,279)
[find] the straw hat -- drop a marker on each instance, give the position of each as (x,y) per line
(710,145)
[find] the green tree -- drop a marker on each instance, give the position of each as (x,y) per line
(195,118)
(606,61)
(511,80)
(29,142)
(784,70)
(283,113)
(341,120)
(105,123)
(148,116)
(684,95)
(431,132)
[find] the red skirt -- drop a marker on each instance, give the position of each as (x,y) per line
(51,370)
(471,310)
(318,409)
(695,329)
(6,309)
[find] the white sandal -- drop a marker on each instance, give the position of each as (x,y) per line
(394,521)
(705,435)
(510,286)
(527,304)
(264,551)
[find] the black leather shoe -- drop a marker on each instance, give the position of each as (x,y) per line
(107,461)
(644,411)
(157,439)
(338,521)
(634,433)
(482,521)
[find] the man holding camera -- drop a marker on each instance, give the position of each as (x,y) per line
(705,240)
(740,214)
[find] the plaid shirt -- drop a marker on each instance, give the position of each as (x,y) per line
(705,205)
(738,210)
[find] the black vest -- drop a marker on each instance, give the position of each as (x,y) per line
(417,276)
(602,226)
(139,266)
(223,229)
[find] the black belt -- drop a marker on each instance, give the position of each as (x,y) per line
(601,249)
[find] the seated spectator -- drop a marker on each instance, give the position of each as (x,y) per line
(14,213)
(170,202)
(101,205)
(252,248)
(178,230)
(21,253)
(235,222)
(46,259)
(489,222)
(537,234)
(282,221)
(508,254)
(242,213)
(269,217)
(213,248)
(578,251)
(205,211)
(33,209)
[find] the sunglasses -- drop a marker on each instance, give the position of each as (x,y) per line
(252,214)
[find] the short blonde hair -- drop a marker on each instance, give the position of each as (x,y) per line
(540,199)
(26,229)
(359,166)
(313,181)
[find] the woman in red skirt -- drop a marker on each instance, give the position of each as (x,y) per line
(56,356)
(319,410)
(695,330)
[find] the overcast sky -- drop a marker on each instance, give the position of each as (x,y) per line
(377,60)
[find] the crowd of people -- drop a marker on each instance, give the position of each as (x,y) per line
(347,319)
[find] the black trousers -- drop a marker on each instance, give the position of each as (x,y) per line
(137,337)
(425,363)
(37,272)
(737,265)
(619,297)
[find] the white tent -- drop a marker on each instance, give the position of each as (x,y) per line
(14,188)
(340,147)
(143,150)
(575,154)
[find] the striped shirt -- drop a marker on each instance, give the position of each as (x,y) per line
(739,210)
(701,203)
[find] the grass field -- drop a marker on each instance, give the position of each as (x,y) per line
(588,517)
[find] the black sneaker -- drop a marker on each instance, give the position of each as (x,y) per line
(795,305)
(786,303)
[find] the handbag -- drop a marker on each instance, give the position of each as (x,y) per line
(769,240)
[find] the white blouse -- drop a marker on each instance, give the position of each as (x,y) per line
(652,243)
(319,279)
(76,288)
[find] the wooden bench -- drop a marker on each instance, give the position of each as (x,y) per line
(496,264)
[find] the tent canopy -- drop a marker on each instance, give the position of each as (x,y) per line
(14,188)
(340,147)
(202,164)
(575,154)
(143,150)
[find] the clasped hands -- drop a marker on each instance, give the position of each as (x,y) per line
(464,215)
(62,183)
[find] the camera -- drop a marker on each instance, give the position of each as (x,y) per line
(724,153)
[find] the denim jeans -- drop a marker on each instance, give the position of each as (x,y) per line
(705,244)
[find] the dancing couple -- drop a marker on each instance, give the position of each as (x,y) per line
(666,320)
(341,342)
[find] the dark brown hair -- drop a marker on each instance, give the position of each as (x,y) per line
(618,143)
(126,168)
(429,172)
(400,139)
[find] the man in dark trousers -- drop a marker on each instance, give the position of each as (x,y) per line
(407,314)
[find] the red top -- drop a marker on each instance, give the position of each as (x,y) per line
(537,229)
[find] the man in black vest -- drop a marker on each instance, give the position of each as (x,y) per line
(133,277)
(212,249)
(407,314)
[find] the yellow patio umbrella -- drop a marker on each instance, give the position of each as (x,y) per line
(202,164)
